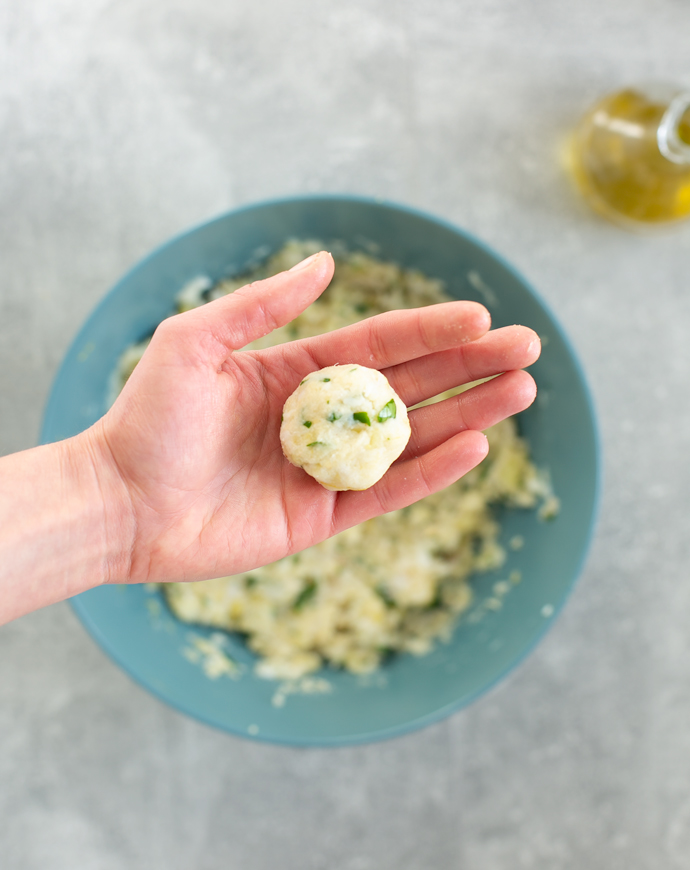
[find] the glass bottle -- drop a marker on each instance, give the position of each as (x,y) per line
(631,156)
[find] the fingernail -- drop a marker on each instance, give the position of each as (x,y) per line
(534,348)
(305,263)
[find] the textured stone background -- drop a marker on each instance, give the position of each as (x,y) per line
(123,123)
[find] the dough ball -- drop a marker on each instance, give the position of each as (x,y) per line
(344,425)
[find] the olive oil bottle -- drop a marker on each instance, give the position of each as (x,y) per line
(631,156)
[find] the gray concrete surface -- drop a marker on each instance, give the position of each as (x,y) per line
(123,123)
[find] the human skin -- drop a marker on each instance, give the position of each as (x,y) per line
(184,477)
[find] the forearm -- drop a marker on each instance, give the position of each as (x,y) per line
(63,525)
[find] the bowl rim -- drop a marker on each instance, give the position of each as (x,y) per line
(78,605)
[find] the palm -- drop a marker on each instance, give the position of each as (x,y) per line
(195,433)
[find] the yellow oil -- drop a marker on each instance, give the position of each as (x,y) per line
(619,164)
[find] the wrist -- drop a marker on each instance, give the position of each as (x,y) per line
(95,474)
(66,524)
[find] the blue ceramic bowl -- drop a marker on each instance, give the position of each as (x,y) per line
(133,625)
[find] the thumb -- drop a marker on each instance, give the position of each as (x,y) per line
(256,309)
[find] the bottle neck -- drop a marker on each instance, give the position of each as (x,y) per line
(671,144)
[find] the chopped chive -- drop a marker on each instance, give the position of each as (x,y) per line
(354,369)
(362,417)
(385,596)
(361,308)
(307,423)
(325,380)
(250,581)
(436,602)
(332,417)
(388,412)
(303,382)
(305,595)
(317,444)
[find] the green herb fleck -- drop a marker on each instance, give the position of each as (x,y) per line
(250,581)
(437,600)
(362,417)
(303,382)
(332,417)
(325,380)
(317,444)
(307,423)
(354,369)
(385,596)
(361,308)
(388,412)
(305,595)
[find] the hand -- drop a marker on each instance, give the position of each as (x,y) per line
(191,446)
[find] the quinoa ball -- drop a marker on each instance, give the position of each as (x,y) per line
(344,425)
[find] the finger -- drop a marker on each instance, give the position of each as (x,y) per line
(256,309)
(413,479)
(397,336)
(501,350)
(479,408)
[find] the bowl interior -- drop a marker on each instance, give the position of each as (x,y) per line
(133,625)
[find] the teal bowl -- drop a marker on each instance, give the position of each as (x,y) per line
(132,624)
